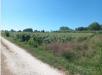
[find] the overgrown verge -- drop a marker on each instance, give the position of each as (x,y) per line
(75,53)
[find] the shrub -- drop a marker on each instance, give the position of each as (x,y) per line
(23,37)
(35,41)
(32,42)
(38,39)
(7,34)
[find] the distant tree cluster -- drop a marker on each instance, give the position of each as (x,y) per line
(28,30)
(92,27)
(95,26)
(81,28)
(64,29)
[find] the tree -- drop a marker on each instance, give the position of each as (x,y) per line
(19,31)
(28,30)
(36,31)
(81,28)
(64,29)
(12,30)
(94,26)
(42,31)
(23,37)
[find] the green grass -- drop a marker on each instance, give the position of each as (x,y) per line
(90,64)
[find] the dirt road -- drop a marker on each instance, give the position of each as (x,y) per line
(16,61)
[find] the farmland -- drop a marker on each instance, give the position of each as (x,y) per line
(75,53)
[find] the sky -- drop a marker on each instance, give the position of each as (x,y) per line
(49,14)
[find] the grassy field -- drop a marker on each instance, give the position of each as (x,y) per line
(74,53)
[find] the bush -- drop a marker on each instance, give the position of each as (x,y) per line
(38,39)
(32,42)
(35,41)
(7,34)
(23,37)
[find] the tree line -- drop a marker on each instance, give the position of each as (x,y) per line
(95,26)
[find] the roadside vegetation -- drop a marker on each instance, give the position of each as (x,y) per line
(77,52)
